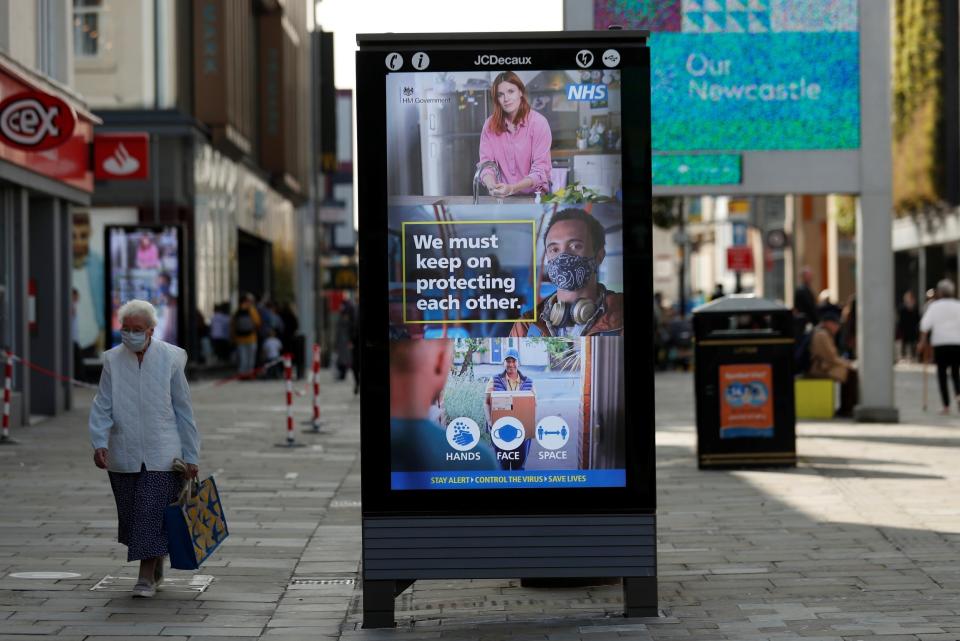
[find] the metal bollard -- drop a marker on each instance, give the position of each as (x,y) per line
(7,390)
(315,422)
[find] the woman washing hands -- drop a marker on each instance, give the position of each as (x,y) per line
(517,139)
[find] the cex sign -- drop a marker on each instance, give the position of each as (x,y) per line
(35,121)
(121,156)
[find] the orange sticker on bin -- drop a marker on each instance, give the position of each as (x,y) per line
(746,401)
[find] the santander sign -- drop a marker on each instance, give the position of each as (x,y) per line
(35,121)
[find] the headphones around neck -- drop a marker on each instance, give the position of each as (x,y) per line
(579,312)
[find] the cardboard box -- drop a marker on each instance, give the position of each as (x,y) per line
(520,405)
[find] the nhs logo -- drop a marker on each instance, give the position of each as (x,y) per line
(587,92)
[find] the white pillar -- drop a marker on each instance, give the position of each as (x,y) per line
(874,219)
(833,245)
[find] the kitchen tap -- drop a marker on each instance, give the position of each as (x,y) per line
(478,180)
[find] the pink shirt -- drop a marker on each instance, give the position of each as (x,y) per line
(148,257)
(521,154)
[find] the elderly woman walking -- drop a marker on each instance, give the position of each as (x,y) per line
(141,420)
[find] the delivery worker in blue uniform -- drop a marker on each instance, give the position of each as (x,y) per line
(511,379)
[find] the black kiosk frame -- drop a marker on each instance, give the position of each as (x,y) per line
(489,532)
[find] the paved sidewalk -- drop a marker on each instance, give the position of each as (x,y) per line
(861,541)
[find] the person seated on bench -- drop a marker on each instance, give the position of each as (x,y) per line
(826,362)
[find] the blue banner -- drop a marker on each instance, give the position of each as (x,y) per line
(507,479)
(771,91)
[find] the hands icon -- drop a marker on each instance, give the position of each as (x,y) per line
(462,435)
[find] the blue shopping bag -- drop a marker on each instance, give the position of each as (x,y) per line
(196,525)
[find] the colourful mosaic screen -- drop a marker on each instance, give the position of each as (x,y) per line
(740,75)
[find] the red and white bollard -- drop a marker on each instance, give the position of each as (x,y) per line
(316,387)
(7,390)
(288,378)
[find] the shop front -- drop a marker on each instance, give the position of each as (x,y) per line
(45,136)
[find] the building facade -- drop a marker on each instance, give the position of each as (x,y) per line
(221,88)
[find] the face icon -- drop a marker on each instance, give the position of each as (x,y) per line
(510,97)
(510,364)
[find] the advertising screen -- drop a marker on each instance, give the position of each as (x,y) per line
(748,74)
(144,263)
(505,266)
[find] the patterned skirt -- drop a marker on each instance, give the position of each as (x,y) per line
(141,498)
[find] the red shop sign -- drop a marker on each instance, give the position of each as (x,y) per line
(36,121)
(121,156)
(740,259)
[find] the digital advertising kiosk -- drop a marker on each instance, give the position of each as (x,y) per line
(505,293)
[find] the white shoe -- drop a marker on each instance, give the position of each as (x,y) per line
(144,589)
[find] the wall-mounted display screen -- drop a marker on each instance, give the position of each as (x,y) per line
(741,75)
(144,262)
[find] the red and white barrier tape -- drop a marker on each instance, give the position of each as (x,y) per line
(288,378)
(242,375)
(51,374)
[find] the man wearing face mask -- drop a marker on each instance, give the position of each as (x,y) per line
(582,306)
(141,420)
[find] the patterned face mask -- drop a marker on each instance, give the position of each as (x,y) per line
(571,272)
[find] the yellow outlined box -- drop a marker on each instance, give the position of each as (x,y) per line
(403,267)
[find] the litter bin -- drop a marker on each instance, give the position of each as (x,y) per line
(743,375)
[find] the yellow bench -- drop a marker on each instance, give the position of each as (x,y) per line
(814,397)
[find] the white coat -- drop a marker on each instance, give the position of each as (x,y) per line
(142,412)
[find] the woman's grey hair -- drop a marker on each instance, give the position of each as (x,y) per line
(946,288)
(139,308)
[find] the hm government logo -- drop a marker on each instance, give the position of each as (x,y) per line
(408,96)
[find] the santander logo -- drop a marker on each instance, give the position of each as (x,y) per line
(121,163)
(35,121)
(121,156)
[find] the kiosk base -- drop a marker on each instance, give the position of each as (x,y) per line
(378,602)
(556,549)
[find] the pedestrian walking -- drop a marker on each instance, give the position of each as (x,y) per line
(272,348)
(220,332)
(244,328)
(346,330)
(717,293)
(804,303)
(141,420)
(908,326)
(940,328)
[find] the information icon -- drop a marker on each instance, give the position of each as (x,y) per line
(584,58)
(463,433)
(394,61)
(507,433)
(420,61)
(552,432)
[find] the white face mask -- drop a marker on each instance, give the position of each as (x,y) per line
(134,341)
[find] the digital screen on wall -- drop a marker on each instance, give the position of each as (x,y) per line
(144,263)
(506,277)
(742,75)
